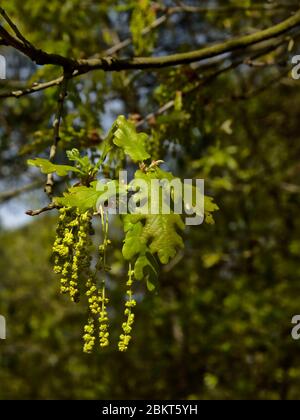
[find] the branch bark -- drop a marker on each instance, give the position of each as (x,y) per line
(114,64)
(56,129)
(111,64)
(35,88)
(50,207)
(184,8)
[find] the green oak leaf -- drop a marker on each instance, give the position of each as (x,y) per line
(132,246)
(86,198)
(48,167)
(186,194)
(157,232)
(126,137)
(146,267)
(81,197)
(83,162)
(209,205)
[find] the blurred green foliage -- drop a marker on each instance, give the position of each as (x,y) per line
(219,325)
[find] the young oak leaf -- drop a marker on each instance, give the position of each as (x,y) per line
(132,246)
(48,167)
(189,195)
(143,15)
(82,162)
(126,137)
(158,232)
(146,267)
(81,197)
(86,198)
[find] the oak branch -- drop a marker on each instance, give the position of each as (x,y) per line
(108,63)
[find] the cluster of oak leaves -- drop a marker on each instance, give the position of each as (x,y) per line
(150,239)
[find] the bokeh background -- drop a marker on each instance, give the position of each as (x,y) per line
(219,324)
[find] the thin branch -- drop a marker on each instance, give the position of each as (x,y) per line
(151,117)
(14,27)
(107,63)
(56,129)
(259,64)
(184,8)
(113,64)
(37,87)
(36,55)
(169,105)
(261,89)
(110,51)
(126,42)
(50,207)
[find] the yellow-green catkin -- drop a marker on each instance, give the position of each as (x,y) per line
(125,337)
(97,299)
(103,318)
(72,255)
(89,336)
(72,250)
(81,253)
(97,302)
(62,248)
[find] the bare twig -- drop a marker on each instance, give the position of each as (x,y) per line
(184,8)
(258,64)
(50,207)
(37,87)
(14,28)
(126,42)
(56,129)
